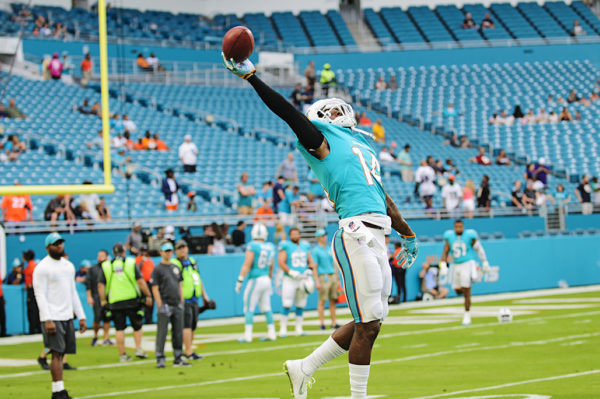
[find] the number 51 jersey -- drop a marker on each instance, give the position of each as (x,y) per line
(461,247)
(350,174)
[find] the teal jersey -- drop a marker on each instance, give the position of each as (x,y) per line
(297,255)
(350,174)
(264,255)
(461,247)
(315,187)
(323,259)
(285,206)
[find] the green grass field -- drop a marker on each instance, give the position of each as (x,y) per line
(550,350)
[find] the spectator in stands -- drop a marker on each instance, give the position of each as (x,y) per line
(55,67)
(502,159)
(153,62)
(484,193)
(13,112)
(594,97)
(148,141)
(481,158)
(541,171)
(13,147)
(296,97)
(451,167)
(86,70)
(59,206)
(218,246)
(160,144)
(85,108)
(133,242)
(87,205)
(364,120)
(118,142)
(379,131)
(487,22)
(60,31)
(188,153)
(506,119)
(245,194)
(468,198)
(464,142)
(170,188)
(45,30)
(129,125)
(583,192)
(238,236)
(116,124)
(287,169)
(139,145)
(565,115)
(574,98)
(97,109)
(155,241)
(405,161)
(578,116)
(561,196)
(450,111)
(16,276)
(103,211)
(126,139)
(289,203)
(191,204)
(529,195)
(595,192)
(97,142)
(380,84)
(517,195)
(468,22)
(578,29)
(143,64)
(122,163)
(542,116)
(495,120)
(518,113)
(553,118)
(327,79)
(529,117)
(451,197)
(266,193)
(392,84)
(16,208)
(278,193)
(309,74)
(385,156)
(264,213)
(453,141)
(560,100)
(308,95)
(425,178)
(3,112)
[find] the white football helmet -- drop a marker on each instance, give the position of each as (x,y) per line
(308,284)
(259,232)
(321,111)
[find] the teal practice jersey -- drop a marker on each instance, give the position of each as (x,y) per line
(264,255)
(323,259)
(461,247)
(350,174)
(297,255)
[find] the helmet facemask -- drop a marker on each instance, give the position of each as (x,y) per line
(322,110)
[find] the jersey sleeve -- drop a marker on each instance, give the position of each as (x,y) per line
(473,235)
(447,236)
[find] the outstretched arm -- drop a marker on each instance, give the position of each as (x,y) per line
(398,222)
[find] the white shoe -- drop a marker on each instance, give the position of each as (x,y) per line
(466,319)
(283,333)
(299,382)
(271,336)
(300,332)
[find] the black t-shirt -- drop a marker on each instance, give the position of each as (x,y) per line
(91,281)
(518,195)
(585,190)
(483,196)
(238,237)
(529,193)
(128,304)
(167,277)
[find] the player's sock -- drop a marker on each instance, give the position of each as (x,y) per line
(359,377)
(328,351)
(58,386)
(248,332)
(283,322)
(299,320)
(249,317)
(271,331)
(269,316)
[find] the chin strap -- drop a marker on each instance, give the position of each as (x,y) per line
(371,135)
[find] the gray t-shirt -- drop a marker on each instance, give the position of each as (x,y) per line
(288,169)
(167,277)
(134,240)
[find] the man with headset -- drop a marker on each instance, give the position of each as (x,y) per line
(119,288)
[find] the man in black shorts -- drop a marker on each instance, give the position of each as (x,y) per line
(119,288)
(57,299)
(91,283)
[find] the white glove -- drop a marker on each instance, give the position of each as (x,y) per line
(243,69)
(486,267)
(443,268)
(238,285)
(295,274)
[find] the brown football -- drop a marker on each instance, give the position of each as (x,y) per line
(238,43)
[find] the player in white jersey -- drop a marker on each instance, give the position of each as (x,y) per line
(258,267)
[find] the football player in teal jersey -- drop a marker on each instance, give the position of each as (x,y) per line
(465,248)
(258,267)
(346,165)
(294,260)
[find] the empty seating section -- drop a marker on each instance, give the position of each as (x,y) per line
(290,29)
(401,26)
(514,21)
(261,26)
(540,18)
(341,28)
(587,15)
(565,15)
(430,24)
(478,91)
(380,31)
(453,18)
(319,30)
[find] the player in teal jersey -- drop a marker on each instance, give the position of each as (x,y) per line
(328,278)
(465,249)
(258,266)
(294,260)
(346,165)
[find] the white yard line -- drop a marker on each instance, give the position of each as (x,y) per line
(308,344)
(512,384)
(378,362)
